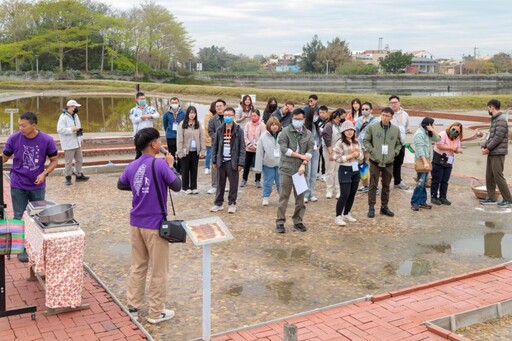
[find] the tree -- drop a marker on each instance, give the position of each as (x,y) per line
(336,53)
(309,62)
(479,66)
(395,62)
(213,58)
(502,62)
(357,68)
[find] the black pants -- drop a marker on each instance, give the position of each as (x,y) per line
(189,166)
(397,166)
(321,162)
(226,171)
(249,159)
(440,178)
(349,182)
(375,173)
(171,145)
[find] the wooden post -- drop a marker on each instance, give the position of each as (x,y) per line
(290,332)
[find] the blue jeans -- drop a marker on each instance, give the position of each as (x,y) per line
(419,196)
(312,173)
(208,158)
(21,197)
(270,175)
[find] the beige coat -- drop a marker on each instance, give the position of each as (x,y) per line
(207,138)
(184,137)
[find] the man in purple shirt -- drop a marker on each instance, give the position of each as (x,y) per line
(148,248)
(28,148)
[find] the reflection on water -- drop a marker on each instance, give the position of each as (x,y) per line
(283,290)
(417,267)
(97,113)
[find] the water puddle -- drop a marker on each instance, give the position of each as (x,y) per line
(282,290)
(121,249)
(415,268)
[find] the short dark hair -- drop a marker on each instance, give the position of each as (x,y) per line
(29,116)
(144,137)
(139,95)
(313,96)
(393,96)
(368,104)
(323,108)
(289,103)
(256,111)
(220,100)
(174,98)
(229,109)
(388,110)
(298,111)
(494,103)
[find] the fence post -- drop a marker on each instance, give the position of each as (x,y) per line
(290,332)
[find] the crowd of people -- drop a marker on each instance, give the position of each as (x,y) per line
(287,148)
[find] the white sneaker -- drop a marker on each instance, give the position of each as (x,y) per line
(322,178)
(337,196)
(212,190)
(340,221)
(195,191)
(313,199)
(165,315)
(264,202)
(188,191)
(328,195)
(216,208)
(232,208)
(207,171)
(305,200)
(349,217)
(402,186)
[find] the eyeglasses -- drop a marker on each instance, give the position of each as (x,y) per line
(311,100)
(386,115)
(365,109)
(394,102)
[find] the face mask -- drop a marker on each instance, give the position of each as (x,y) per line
(75,111)
(297,124)
(228,119)
(272,107)
(365,113)
(255,119)
(175,106)
(142,102)
(454,133)
(315,118)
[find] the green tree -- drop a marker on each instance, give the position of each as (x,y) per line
(502,62)
(309,61)
(395,62)
(336,53)
(357,68)
(213,58)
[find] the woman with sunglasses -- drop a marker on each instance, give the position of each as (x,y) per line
(442,163)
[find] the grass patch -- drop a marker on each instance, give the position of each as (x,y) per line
(334,100)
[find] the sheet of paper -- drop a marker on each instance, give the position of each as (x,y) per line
(299,182)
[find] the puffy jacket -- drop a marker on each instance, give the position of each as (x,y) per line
(68,138)
(237,146)
(290,140)
(376,137)
(497,141)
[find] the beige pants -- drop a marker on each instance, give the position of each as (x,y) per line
(148,249)
(69,155)
(331,174)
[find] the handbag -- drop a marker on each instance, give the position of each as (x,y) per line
(170,230)
(420,167)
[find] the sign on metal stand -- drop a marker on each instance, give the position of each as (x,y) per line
(12,112)
(204,232)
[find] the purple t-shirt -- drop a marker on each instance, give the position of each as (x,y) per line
(29,158)
(146,211)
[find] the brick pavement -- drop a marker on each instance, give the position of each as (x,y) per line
(397,315)
(105,320)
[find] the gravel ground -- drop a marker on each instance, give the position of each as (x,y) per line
(499,329)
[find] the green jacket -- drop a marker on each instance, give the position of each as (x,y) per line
(423,144)
(376,136)
(288,140)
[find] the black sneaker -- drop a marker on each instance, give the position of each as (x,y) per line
(386,211)
(436,201)
(68,181)
(81,177)
(280,228)
(134,312)
(300,227)
(371,212)
(445,201)
(415,208)
(426,206)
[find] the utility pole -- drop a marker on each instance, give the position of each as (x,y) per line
(380,44)
(461,62)
(327,67)
(474,52)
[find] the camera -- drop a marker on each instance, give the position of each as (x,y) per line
(80,132)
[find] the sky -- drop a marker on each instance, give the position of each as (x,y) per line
(445,28)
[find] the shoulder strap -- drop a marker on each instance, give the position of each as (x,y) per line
(158,190)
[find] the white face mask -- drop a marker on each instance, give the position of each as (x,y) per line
(365,113)
(175,106)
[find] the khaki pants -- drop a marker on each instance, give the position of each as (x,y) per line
(494,176)
(284,197)
(69,155)
(148,249)
(331,174)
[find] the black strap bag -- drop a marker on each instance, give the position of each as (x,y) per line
(171,230)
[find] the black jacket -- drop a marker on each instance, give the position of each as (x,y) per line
(237,146)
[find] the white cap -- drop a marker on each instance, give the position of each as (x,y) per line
(73,103)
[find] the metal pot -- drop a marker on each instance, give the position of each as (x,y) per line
(57,214)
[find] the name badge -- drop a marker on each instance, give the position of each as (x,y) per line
(385,149)
(315,147)
(277,152)
(227,149)
(193,143)
(355,166)
(450,160)
(402,130)
(175,126)
(253,142)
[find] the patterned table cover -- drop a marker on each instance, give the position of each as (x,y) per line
(60,256)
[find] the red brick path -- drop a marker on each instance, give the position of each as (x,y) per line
(397,315)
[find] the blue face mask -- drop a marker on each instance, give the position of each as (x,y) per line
(142,102)
(297,124)
(228,119)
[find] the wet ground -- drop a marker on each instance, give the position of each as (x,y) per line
(261,275)
(498,329)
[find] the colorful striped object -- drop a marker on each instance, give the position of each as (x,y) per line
(364,170)
(12,236)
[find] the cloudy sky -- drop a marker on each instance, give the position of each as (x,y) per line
(446,28)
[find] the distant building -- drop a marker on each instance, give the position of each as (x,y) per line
(449,66)
(422,62)
(370,56)
(286,62)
